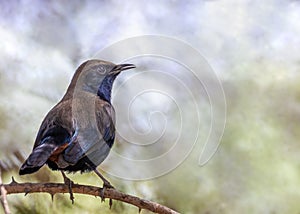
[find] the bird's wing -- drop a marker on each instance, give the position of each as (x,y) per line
(95,134)
(106,122)
(105,117)
(57,121)
(51,138)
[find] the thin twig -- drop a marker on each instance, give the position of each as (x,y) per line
(3,198)
(53,188)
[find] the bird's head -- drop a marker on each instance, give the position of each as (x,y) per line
(96,75)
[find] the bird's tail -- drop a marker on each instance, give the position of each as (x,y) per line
(37,158)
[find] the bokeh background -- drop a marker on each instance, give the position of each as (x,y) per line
(253,48)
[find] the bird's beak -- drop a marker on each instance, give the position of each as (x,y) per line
(122,67)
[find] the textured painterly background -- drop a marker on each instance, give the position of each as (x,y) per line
(253,48)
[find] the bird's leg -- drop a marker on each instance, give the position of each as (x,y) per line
(69,183)
(106,184)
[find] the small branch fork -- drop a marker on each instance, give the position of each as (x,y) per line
(53,188)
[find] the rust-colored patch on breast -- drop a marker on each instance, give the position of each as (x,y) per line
(57,152)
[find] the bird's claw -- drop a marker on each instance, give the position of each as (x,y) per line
(69,184)
(102,194)
(106,185)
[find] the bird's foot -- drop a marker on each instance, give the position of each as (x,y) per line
(106,185)
(69,184)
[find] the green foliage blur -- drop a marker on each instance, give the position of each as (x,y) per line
(253,48)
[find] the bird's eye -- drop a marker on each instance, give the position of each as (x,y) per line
(99,69)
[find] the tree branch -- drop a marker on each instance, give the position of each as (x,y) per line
(53,188)
(3,199)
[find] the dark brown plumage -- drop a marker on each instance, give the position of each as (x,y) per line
(78,133)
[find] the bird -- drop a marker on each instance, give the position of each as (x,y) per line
(78,133)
